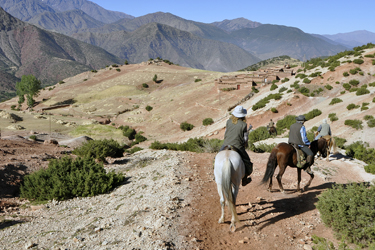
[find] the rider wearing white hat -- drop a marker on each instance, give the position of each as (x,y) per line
(236,136)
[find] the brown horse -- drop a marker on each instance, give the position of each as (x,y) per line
(285,155)
(331,144)
(272,130)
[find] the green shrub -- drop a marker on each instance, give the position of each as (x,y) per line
(68,178)
(357,124)
(100,149)
(347,86)
(207,121)
(315,74)
(128,132)
(139,137)
(149,108)
(345,74)
(340,142)
(282,89)
(197,80)
(262,103)
(133,150)
(259,134)
(372,84)
(262,147)
(13,107)
(93,71)
(354,82)
(186,126)
(329,87)
(354,71)
(361,151)
(198,145)
(333,117)
(370,168)
(118,70)
(114,65)
(352,106)
(342,92)
(306,80)
(373,99)
(361,73)
(362,91)
(304,90)
(285,123)
(285,80)
(313,113)
(274,110)
(275,81)
(335,100)
(368,117)
(302,76)
(373,62)
(145,85)
(349,210)
(289,90)
(255,90)
(32,137)
(155,78)
(358,61)
(273,87)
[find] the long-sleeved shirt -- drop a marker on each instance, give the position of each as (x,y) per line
(304,136)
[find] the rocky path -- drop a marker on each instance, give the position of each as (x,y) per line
(170,201)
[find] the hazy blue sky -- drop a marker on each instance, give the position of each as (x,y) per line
(318,17)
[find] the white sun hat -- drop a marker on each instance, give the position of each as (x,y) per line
(239,112)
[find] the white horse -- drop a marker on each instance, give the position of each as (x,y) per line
(229,170)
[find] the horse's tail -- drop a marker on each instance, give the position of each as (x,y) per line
(271,166)
(227,187)
(334,146)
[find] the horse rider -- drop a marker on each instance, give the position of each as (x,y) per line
(270,125)
(297,136)
(236,135)
(250,129)
(324,129)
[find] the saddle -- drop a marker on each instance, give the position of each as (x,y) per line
(230,147)
(301,158)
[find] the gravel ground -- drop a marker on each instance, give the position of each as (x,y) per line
(143,213)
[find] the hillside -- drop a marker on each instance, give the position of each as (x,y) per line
(67,22)
(184,48)
(26,9)
(119,96)
(170,197)
(236,24)
(49,56)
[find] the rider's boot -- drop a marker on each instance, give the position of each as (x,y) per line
(309,162)
(248,170)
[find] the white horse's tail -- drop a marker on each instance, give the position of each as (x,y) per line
(227,187)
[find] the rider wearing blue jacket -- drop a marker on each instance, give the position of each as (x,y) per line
(297,136)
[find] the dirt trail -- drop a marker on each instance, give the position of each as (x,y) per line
(267,220)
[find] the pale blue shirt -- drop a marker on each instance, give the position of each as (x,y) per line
(304,136)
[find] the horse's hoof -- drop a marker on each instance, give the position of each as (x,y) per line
(221,221)
(305,188)
(232,228)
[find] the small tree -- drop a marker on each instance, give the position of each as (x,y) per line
(155,78)
(29,86)
(126,62)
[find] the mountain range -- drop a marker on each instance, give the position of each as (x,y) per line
(51,57)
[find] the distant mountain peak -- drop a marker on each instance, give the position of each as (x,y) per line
(236,24)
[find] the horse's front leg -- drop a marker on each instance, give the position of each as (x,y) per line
(298,179)
(308,183)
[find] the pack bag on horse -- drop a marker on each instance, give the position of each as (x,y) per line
(271,128)
(232,163)
(286,154)
(324,131)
